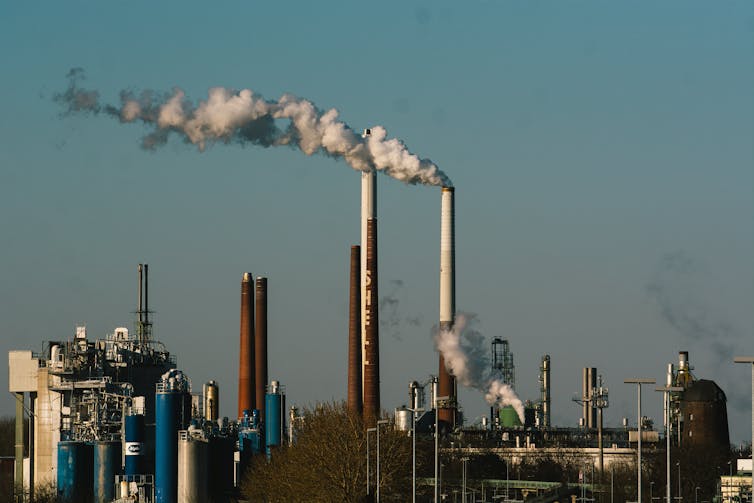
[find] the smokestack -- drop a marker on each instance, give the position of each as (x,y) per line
(371,322)
(368,210)
(246,391)
(447,383)
(355,402)
(260,345)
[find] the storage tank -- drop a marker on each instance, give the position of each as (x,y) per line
(705,414)
(107,457)
(275,415)
(75,470)
(211,393)
(134,445)
(509,417)
(193,467)
(402,419)
(172,413)
(220,485)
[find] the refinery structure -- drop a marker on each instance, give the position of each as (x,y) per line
(115,419)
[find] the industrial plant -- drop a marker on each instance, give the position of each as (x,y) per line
(117,420)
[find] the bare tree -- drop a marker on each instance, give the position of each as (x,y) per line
(328,462)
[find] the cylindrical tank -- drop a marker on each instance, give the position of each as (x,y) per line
(107,456)
(134,445)
(403,419)
(172,413)
(220,468)
(211,394)
(193,467)
(273,424)
(75,469)
(530,414)
(509,417)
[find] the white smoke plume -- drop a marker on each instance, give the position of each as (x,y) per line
(465,352)
(242,117)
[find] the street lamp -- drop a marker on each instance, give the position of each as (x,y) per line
(413,454)
(666,390)
(696,495)
(639,382)
(380,422)
(651,486)
(369,430)
(463,484)
(750,361)
(680,496)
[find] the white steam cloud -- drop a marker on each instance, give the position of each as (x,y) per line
(465,352)
(242,117)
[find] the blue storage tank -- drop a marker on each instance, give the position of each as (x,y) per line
(172,413)
(107,457)
(135,436)
(274,415)
(75,470)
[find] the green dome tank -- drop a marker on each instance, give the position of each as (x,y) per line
(509,417)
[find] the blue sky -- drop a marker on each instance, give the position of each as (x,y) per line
(588,141)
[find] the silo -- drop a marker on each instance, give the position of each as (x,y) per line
(172,413)
(193,467)
(75,469)
(275,416)
(134,446)
(107,456)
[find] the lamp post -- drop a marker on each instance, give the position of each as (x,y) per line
(750,361)
(696,494)
(666,390)
(651,486)
(680,497)
(463,484)
(369,430)
(380,422)
(413,452)
(438,401)
(639,381)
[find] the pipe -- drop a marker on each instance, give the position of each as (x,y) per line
(592,408)
(146,296)
(260,344)
(246,388)
(447,384)
(585,396)
(139,301)
(371,323)
(546,391)
(355,402)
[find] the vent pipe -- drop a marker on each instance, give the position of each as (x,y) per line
(355,402)
(447,382)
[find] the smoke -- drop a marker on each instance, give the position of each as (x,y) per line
(391,317)
(676,288)
(465,351)
(244,117)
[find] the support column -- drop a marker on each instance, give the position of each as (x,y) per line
(18,483)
